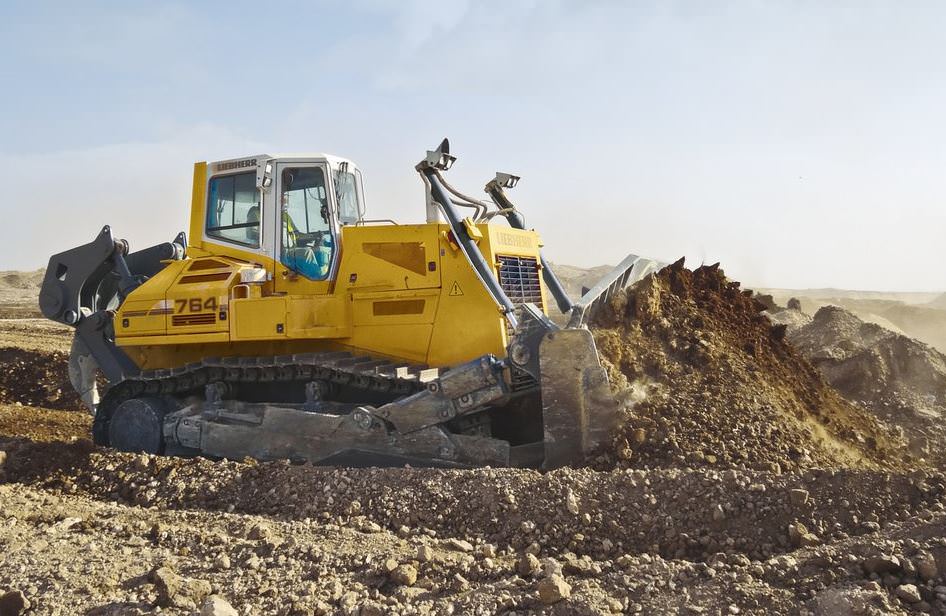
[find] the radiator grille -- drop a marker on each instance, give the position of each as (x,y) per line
(519,278)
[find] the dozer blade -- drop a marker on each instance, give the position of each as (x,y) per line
(624,274)
(578,409)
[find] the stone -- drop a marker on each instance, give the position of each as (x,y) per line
(881,563)
(527,565)
(460,583)
(3,457)
(800,536)
(487,550)
(215,605)
(926,566)
(461,545)
(908,593)
(176,591)
(348,601)
(253,562)
(13,603)
(221,562)
(425,553)
(553,589)
(571,502)
(405,575)
(371,608)
(798,497)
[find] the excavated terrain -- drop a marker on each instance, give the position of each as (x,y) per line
(900,379)
(709,381)
(738,482)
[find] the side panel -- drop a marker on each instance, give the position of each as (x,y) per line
(390,275)
(389,257)
(199,296)
(401,320)
(145,310)
(468,322)
(258,318)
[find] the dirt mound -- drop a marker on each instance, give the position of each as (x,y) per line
(791,318)
(939,302)
(901,379)
(709,380)
(36,378)
(22,280)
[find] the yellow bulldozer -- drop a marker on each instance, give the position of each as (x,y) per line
(288,325)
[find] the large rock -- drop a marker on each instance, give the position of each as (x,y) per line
(909,593)
(176,591)
(553,589)
(881,563)
(527,565)
(800,536)
(405,575)
(215,605)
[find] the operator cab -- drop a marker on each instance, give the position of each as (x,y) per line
(285,208)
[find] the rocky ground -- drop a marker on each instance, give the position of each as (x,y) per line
(739,482)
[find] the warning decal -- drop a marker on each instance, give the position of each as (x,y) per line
(455,290)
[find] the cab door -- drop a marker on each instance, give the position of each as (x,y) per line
(307,247)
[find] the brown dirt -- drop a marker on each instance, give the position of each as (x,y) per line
(37,379)
(709,381)
(35,335)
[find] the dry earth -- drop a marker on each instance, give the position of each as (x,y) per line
(694,509)
(899,379)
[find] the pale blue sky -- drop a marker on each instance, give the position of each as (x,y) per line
(800,143)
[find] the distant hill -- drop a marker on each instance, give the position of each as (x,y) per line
(22,280)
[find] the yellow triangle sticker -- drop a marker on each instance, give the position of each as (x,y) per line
(455,290)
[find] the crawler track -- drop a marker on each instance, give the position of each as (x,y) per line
(273,378)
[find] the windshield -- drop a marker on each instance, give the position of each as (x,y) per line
(349,203)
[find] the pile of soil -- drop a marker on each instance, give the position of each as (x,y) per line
(22,280)
(901,379)
(709,381)
(36,378)
(791,318)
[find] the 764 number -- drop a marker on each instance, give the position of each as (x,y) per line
(196,304)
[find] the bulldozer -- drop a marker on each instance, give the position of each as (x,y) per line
(286,324)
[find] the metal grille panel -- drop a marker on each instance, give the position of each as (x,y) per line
(520,279)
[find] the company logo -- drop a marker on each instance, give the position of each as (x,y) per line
(235,164)
(519,241)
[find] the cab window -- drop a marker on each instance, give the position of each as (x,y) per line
(233,209)
(307,242)
(346,188)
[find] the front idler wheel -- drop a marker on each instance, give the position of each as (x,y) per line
(137,426)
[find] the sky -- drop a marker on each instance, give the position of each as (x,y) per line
(800,144)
